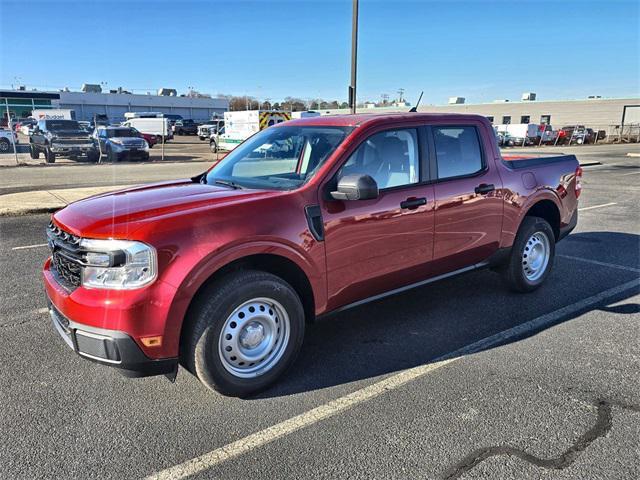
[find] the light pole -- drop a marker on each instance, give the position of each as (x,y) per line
(354,57)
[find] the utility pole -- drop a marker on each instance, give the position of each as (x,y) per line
(400,94)
(354,57)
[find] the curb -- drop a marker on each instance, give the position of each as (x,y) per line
(47,201)
(633,154)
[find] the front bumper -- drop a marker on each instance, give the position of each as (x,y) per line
(110,347)
(73,149)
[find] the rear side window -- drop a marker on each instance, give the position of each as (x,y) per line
(457,151)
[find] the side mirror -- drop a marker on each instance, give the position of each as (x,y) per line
(356,187)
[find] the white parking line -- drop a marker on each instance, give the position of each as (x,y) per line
(282,429)
(602,264)
(597,206)
(38,245)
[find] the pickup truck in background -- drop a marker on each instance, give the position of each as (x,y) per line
(57,138)
(185,127)
(220,272)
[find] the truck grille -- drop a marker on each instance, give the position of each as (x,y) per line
(66,259)
(72,141)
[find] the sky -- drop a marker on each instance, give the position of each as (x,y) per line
(481,50)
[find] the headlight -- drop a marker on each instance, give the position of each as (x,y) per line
(118,264)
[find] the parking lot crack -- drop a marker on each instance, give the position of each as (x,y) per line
(601,428)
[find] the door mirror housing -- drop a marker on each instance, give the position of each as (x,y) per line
(356,187)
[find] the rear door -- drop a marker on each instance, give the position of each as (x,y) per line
(373,246)
(468,208)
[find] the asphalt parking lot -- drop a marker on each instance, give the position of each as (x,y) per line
(460,379)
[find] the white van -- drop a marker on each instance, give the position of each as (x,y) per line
(152,126)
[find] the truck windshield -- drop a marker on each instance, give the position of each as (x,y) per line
(62,125)
(280,158)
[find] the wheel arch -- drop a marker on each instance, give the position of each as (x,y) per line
(273,263)
(548,210)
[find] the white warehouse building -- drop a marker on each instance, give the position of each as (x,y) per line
(115,105)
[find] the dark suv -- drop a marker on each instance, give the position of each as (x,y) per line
(185,127)
(61,138)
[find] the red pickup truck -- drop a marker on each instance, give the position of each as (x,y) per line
(220,272)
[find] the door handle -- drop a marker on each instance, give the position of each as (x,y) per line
(485,188)
(413,203)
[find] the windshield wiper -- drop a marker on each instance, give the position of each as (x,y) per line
(228,183)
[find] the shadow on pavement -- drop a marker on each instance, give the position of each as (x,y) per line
(419,326)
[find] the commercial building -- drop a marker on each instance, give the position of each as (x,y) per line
(601,113)
(87,104)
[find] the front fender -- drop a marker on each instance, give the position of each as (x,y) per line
(213,262)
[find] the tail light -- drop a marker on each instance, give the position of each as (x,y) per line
(578,187)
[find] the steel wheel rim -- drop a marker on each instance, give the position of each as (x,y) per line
(535,256)
(254,337)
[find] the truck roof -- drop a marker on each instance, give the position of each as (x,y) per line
(361,119)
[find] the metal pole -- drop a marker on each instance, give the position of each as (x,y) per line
(164,133)
(354,57)
(13,136)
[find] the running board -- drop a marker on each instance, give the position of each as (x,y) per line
(421,283)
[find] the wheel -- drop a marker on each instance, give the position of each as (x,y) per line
(244,331)
(532,255)
(33,152)
(213,146)
(202,138)
(49,156)
(579,141)
(93,156)
(145,158)
(5,145)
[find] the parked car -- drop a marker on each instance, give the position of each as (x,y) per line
(185,127)
(221,272)
(122,143)
(151,139)
(205,131)
(578,134)
(7,140)
(57,138)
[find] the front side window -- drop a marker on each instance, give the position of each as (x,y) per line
(123,132)
(391,158)
(457,151)
(281,158)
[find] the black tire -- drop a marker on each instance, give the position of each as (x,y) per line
(49,156)
(145,158)
(5,145)
(208,316)
(213,146)
(202,138)
(514,271)
(34,153)
(93,156)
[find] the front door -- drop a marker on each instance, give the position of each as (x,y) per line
(469,208)
(373,246)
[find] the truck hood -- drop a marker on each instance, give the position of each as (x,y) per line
(119,213)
